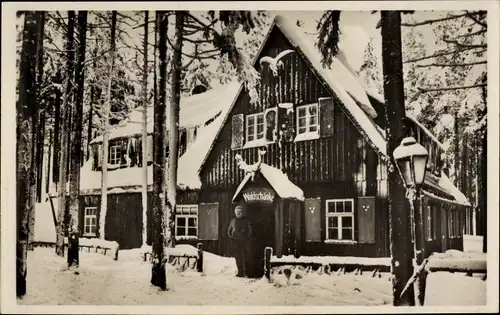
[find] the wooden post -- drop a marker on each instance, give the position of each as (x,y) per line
(199,265)
(268,252)
(115,255)
(419,247)
(73,249)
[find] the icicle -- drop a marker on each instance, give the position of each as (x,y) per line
(339,272)
(320,270)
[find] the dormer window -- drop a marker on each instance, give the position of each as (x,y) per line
(254,127)
(307,122)
(115,151)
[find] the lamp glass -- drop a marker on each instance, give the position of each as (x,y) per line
(405,170)
(419,165)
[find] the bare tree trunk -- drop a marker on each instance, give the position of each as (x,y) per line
(66,108)
(484,196)
(105,136)
(400,240)
(456,129)
(24,173)
(57,131)
(76,144)
(158,271)
(40,123)
(173,128)
(145,132)
(49,155)
(92,101)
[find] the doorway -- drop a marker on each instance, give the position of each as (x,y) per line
(261,216)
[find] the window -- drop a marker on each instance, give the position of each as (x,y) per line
(255,127)
(90,221)
(430,223)
(307,121)
(186,221)
(115,154)
(340,219)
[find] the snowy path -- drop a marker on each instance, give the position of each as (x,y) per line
(102,281)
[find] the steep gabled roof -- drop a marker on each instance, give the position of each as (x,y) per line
(194,110)
(352,92)
(347,90)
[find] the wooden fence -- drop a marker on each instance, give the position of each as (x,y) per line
(83,248)
(183,261)
(448,265)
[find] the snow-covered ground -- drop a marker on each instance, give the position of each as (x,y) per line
(103,281)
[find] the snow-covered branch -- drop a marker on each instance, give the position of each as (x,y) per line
(472,17)
(463,45)
(427,22)
(425,90)
(465,64)
(438,54)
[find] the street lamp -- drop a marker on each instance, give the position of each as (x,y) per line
(411,161)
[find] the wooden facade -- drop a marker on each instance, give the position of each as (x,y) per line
(338,169)
(337,164)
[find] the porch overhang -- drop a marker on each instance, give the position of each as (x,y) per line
(278,180)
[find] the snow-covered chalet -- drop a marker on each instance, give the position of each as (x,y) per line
(316,140)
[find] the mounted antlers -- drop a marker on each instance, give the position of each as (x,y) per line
(275,63)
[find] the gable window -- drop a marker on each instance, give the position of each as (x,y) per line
(255,127)
(115,154)
(307,122)
(90,221)
(186,221)
(430,224)
(340,220)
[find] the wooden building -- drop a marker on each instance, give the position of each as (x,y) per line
(307,159)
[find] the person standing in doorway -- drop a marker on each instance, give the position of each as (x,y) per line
(240,231)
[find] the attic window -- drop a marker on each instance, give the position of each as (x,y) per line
(307,122)
(115,154)
(254,127)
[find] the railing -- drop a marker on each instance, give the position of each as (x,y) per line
(83,248)
(183,261)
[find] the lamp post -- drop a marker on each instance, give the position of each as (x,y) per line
(411,161)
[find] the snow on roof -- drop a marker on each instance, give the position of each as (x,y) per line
(194,110)
(426,131)
(448,185)
(192,160)
(189,163)
(343,83)
(279,182)
(373,93)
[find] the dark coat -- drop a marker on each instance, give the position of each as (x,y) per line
(240,229)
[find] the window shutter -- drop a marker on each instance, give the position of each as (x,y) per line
(133,152)
(98,148)
(139,151)
(150,148)
(271,121)
(312,210)
(366,220)
(326,116)
(208,221)
(238,132)
(123,156)
(95,157)
(286,120)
